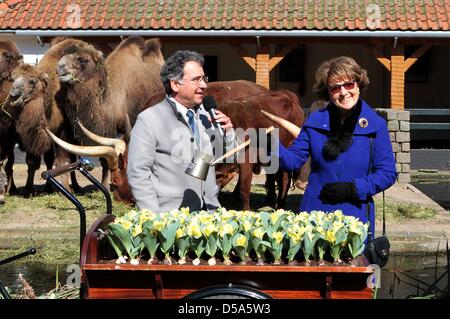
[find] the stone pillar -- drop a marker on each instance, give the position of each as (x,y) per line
(399,132)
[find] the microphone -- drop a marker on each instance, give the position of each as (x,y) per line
(210,105)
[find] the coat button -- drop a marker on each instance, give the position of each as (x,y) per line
(192,140)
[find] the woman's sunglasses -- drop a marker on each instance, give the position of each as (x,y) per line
(336,88)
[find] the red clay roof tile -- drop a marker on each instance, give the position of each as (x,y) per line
(228,15)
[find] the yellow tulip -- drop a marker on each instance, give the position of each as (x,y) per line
(184,210)
(258,233)
(181,232)
(294,235)
(159,225)
(355,228)
(209,229)
(205,218)
(320,230)
(136,230)
(247,225)
(194,230)
(330,236)
(132,214)
(339,214)
(126,224)
(241,241)
(336,225)
(226,229)
(278,236)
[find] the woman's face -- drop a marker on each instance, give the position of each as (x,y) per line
(344,93)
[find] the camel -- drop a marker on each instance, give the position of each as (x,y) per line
(33,93)
(107,95)
(10,58)
(33,107)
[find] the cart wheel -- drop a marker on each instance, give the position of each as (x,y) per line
(228,292)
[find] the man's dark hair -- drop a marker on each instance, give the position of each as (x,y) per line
(174,65)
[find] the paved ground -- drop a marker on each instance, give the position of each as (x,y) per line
(436,227)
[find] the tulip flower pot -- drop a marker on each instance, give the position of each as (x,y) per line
(102,277)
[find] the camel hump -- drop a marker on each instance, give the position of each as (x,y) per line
(152,47)
(57,40)
(131,41)
(8,45)
(11,48)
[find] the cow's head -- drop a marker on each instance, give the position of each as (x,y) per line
(114,150)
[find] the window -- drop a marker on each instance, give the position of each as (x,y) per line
(292,68)
(210,68)
(419,71)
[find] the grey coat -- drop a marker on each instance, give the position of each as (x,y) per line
(161,147)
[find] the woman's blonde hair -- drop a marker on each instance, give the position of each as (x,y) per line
(342,67)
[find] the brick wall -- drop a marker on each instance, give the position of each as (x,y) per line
(398,126)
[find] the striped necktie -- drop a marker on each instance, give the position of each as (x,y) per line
(191,122)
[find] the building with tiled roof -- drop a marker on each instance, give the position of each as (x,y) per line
(403,44)
(226,15)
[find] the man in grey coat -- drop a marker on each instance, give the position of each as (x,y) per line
(167,135)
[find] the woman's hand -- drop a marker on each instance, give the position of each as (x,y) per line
(334,193)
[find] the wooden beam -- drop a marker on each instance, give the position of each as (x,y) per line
(398,78)
(280,55)
(243,53)
(380,57)
(263,66)
(416,56)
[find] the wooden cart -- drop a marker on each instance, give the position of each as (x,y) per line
(102,278)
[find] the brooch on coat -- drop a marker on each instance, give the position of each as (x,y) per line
(363,122)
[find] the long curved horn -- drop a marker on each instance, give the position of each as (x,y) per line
(107,152)
(290,127)
(117,143)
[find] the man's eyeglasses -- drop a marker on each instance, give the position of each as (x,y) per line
(197,80)
(336,88)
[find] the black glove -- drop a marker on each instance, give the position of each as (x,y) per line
(333,193)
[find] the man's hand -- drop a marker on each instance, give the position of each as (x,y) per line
(225,121)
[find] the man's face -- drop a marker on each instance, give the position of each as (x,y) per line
(189,92)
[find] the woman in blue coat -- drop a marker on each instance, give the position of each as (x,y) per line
(351,153)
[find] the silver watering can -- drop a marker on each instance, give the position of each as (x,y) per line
(202,162)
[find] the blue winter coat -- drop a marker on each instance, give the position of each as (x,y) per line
(351,165)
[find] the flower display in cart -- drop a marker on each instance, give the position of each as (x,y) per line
(228,236)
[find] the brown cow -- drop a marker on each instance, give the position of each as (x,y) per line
(245,113)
